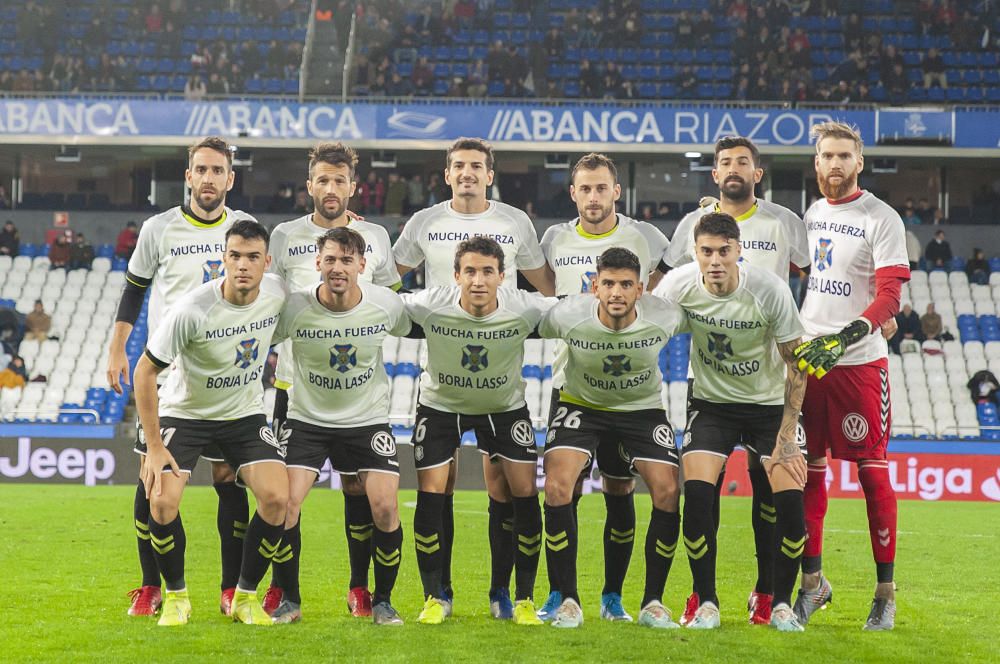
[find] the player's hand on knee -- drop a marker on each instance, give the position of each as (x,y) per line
(156,459)
(794,465)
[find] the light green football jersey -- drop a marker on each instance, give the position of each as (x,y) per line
(474,364)
(338,378)
(608,369)
(733,351)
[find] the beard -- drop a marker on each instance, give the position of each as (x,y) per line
(329,215)
(835,192)
(736,191)
(211,204)
(595,216)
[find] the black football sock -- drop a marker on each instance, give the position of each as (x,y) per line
(427,539)
(285,564)
(231,520)
(619,537)
(550,571)
(501,534)
(388,551)
(448,540)
(661,545)
(790,538)
(169,542)
(147,557)
(699,537)
(716,508)
(358,526)
(260,545)
(763,520)
(576,506)
(560,545)
(528,531)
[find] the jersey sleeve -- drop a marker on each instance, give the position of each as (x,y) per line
(551,324)
(679,251)
(399,319)
(798,240)
(407,250)
(277,249)
(529,251)
(666,315)
(549,241)
(417,305)
(888,240)
(659,246)
(386,273)
(174,333)
(782,311)
(146,257)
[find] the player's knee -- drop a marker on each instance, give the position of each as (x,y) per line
(617,487)
(222,472)
(352,485)
(293,508)
(666,495)
(558,491)
(385,512)
(163,509)
(272,503)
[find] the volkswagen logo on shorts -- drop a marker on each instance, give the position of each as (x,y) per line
(854,427)
(664,436)
(522,433)
(384,444)
(623,454)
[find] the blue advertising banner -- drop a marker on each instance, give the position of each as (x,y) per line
(497,122)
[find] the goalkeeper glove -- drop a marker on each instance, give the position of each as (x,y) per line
(821,354)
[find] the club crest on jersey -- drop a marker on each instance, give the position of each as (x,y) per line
(246,353)
(343,357)
(616,365)
(474,358)
(587,282)
(720,346)
(211,270)
(823,256)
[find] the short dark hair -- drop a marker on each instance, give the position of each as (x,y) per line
(482,245)
(348,239)
(335,154)
(719,224)
(593,161)
(619,258)
(730,142)
(249,229)
(214,143)
(466,143)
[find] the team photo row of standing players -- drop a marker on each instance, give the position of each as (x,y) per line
(788,384)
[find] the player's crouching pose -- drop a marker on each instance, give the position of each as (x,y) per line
(339,408)
(745,328)
(217,337)
(612,392)
(475,335)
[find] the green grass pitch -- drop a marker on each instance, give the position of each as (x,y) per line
(68,557)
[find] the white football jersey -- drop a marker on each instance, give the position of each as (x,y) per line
(179,253)
(474,364)
(849,242)
(608,369)
(771,237)
(338,378)
(293,258)
(218,350)
(431,236)
(733,351)
(572,254)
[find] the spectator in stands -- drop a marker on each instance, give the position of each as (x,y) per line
(38,323)
(400,87)
(849,69)
(437,190)
(627,90)
(908,323)
(59,253)
(395,195)
(13,375)
(10,240)
(476,80)
(684,32)
(939,218)
(81,254)
(663,211)
(303,201)
(938,251)
(554,44)
(842,93)
(910,217)
(704,27)
(422,78)
(416,193)
(977,268)
(984,388)
(741,91)
(889,59)
(896,85)
(933,68)
(496,61)
(377,89)
(194,89)
(646,212)
(126,241)
(687,82)
(373,194)
(590,81)
(912,249)
(154,19)
(932,326)
(925,211)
